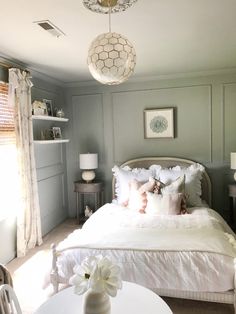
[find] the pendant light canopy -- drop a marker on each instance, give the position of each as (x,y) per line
(111,57)
(103,6)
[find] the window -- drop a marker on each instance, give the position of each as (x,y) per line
(7,129)
(9,183)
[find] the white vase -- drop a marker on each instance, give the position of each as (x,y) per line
(96,303)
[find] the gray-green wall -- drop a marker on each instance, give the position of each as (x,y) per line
(50,161)
(109,120)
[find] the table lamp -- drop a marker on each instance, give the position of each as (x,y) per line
(233,163)
(88,162)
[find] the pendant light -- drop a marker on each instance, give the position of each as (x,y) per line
(111,57)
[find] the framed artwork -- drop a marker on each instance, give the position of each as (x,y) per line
(48,104)
(159,123)
(56,131)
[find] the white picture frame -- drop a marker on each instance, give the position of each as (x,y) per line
(56,131)
(159,123)
(48,103)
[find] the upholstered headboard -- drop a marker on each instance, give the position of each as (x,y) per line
(166,162)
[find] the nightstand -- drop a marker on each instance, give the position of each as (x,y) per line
(82,188)
(232,203)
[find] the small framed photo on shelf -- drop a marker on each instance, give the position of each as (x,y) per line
(159,123)
(56,131)
(48,104)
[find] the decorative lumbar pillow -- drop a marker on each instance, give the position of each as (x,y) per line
(167,204)
(193,176)
(124,175)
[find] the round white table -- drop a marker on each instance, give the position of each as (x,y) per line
(131,299)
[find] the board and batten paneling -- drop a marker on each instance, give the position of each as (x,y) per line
(204,108)
(229,119)
(86,137)
(51,172)
(52,204)
(50,161)
(192,107)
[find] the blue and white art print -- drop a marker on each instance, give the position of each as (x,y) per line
(159,123)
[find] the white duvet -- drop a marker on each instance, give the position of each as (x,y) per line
(185,252)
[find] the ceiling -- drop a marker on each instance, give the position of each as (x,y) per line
(169,36)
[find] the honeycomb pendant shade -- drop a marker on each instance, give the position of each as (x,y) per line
(111,58)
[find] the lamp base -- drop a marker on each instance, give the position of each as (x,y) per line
(88,175)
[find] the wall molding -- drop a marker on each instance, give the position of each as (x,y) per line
(210,135)
(223,109)
(170,76)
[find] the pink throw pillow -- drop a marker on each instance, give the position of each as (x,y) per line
(137,200)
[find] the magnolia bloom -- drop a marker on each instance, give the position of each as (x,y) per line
(81,279)
(106,277)
(97,273)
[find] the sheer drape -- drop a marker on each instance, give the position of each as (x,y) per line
(28,216)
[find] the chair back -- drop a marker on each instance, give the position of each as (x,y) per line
(9,303)
(5,276)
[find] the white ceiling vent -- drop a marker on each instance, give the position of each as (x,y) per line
(50,27)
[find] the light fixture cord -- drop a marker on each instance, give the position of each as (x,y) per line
(109,16)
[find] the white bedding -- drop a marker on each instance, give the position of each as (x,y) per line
(183,252)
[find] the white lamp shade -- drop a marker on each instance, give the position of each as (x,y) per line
(233,160)
(88,161)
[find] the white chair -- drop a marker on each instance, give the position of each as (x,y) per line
(9,303)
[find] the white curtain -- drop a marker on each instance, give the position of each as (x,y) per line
(28,216)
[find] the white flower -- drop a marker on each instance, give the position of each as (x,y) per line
(97,273)
(81,279)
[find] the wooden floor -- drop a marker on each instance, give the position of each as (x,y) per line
(32,286)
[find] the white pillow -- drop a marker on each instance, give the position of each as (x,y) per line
(167,204)
(193,176)
(124,176)
(156,169)
(176,186)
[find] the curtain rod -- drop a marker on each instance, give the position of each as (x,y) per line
(8,66)
(5,65)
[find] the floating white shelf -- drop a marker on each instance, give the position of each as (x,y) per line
(51,141)
(50,118)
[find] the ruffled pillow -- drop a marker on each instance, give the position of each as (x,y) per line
(193,177)
(124,176)
(177,186)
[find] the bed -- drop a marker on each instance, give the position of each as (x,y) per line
(189,255)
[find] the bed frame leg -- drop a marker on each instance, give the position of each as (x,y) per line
(54,271)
